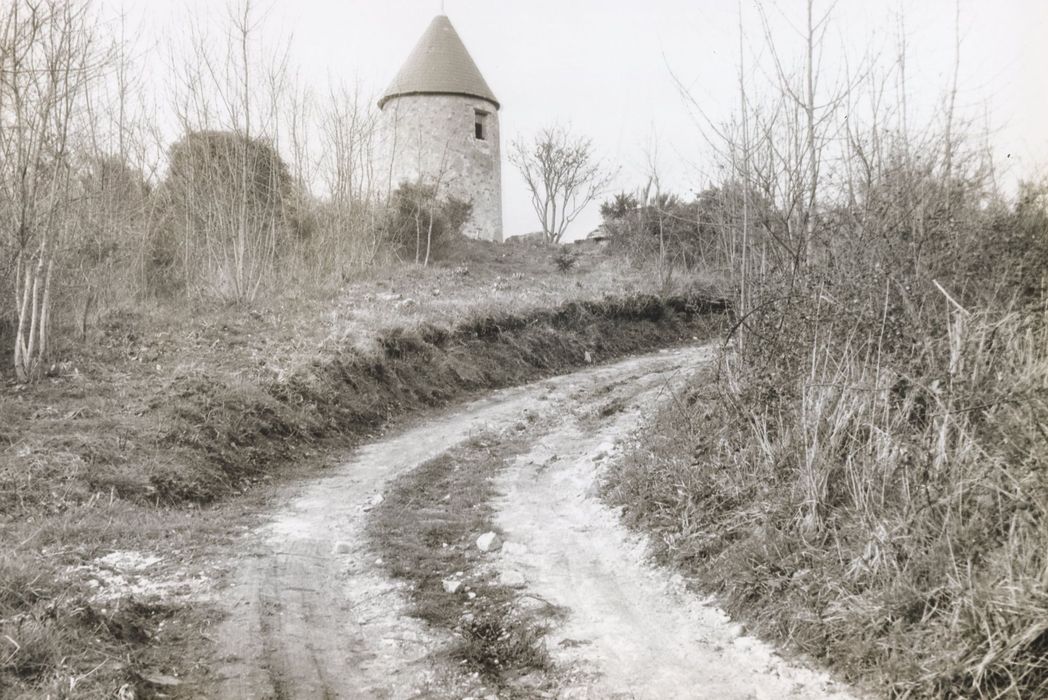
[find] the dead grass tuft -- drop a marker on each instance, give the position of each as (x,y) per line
(498,644)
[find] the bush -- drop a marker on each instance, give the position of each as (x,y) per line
(664,227)
(565,260)
(420,225)
(230,211)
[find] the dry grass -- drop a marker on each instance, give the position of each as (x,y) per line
(64,636)
(888,518)
(117,409)
(863,475)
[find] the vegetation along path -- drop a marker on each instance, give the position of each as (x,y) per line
(314,613)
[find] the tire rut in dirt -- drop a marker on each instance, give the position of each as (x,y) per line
(301,668)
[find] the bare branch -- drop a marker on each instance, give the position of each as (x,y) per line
(562,175)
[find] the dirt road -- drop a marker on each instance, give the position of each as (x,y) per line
(311,614)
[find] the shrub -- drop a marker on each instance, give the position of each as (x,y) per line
(664,227)
(420,225)
(230,210)
(565,260)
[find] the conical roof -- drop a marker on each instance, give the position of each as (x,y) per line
(439,64)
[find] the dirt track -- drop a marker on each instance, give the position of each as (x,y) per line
(311,614)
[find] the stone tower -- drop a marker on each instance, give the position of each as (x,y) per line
(440,124)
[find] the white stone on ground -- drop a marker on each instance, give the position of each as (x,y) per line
(513,579)
(489,542)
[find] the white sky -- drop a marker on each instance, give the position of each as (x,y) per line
(605,67)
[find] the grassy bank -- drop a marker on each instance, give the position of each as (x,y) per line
(143,436)
(864,475)
(883,512)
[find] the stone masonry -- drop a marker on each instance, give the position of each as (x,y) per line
(434,136)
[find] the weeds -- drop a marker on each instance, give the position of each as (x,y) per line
(497,644)
(565,260)
(890,522)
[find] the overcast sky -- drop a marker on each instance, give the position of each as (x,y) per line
(607,68)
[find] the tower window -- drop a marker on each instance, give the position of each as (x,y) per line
(480,124)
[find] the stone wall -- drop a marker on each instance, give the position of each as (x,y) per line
(435,134)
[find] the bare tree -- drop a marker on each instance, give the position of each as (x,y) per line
(348,133)
(48,62)
(563,175)
(425,201)
(233,209)
(809,116)
(348,127)
(108,258)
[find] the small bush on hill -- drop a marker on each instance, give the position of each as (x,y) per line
(673,232)
(565,260)
(228,206)
(420,225)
